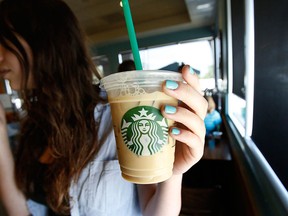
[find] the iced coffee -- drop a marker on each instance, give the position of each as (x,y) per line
(145,150)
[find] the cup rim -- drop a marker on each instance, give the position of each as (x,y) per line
(131,76)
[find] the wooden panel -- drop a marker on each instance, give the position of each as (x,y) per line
(201,201)
(104,20)
(142,27)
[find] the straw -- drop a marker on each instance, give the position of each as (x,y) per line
(132,35)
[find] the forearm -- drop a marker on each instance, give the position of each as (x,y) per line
(14,202)
(11,197)
(164,199)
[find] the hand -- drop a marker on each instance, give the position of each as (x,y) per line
(2,115)
(189,132)
(11,197)
(3,126)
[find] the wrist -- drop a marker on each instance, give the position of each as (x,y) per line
(174,179)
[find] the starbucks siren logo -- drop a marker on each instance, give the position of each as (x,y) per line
(144,130)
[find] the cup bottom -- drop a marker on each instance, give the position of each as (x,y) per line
(148,179)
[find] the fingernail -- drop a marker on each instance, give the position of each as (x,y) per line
(170,84)
(191,70)
(175,131)
(170,109)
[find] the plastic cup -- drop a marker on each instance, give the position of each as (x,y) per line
(145,149)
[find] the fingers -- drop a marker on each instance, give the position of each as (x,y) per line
(192,115)
(189,93)
(184,116)
(195,144)
(189,150)
(189,117)
(191,78)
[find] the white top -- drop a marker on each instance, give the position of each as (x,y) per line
(100,191)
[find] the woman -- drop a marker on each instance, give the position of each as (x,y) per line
(66,162)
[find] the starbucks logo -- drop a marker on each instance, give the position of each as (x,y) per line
(144,130)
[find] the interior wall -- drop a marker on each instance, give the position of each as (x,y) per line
(270,130)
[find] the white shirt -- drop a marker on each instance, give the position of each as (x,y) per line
(100,190)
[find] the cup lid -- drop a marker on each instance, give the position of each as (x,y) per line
(143,78)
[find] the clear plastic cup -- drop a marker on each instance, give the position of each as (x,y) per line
(145,149)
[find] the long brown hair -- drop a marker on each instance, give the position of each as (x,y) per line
(60,109)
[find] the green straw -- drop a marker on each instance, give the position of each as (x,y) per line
(132,35)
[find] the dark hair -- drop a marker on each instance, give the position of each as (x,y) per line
(126,65)
(60,117)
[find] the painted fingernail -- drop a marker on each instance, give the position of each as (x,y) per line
(175,131)
(170,109)
(191,70)
(170,84)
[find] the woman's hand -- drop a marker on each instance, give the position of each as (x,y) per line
(2,115)
(3,126)
(189,130)
(12,199)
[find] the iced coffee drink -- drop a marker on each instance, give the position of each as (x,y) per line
(145,150)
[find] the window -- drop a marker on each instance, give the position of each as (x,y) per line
(198,54)
(240,99)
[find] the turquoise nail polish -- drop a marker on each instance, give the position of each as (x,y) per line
(170,84)
(170,109)
(175,131)
(191,70)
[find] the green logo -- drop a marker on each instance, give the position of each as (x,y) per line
(144,130)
